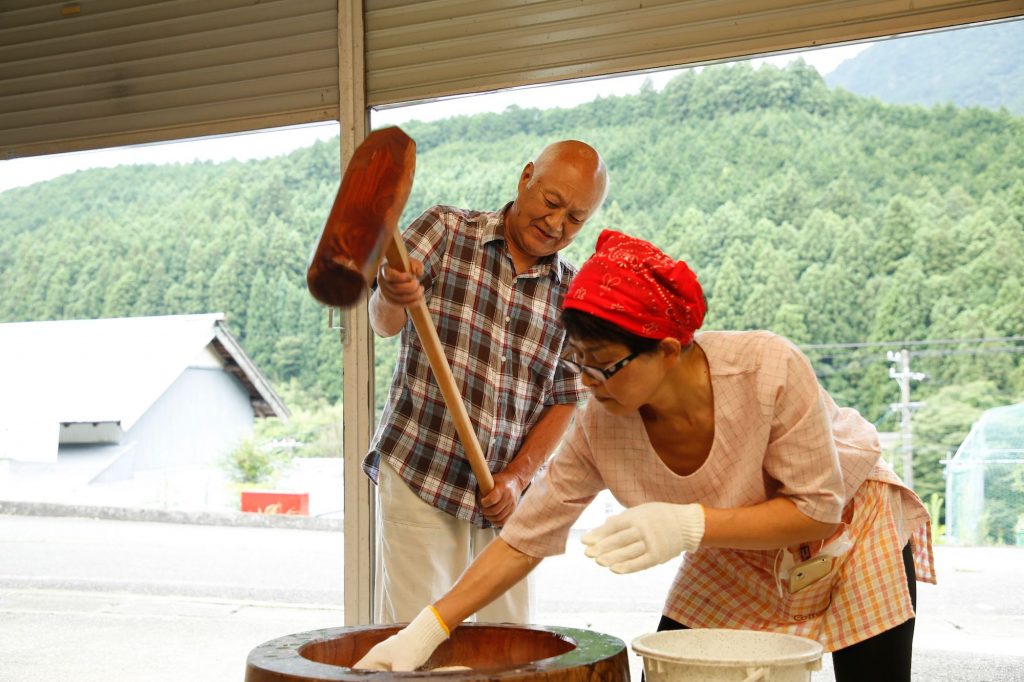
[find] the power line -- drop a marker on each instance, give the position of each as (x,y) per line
(909,342)
(871,355)
(968,351)
(873,358)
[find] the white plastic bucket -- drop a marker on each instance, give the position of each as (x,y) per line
(712,655)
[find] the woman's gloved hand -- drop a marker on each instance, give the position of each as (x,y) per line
(410,647)
(645,536)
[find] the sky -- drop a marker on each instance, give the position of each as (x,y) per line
(279,141)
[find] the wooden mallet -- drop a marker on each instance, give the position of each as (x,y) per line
(363,224)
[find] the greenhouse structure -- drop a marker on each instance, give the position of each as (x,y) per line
(985,481)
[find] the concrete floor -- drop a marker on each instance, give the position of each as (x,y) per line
(90,600)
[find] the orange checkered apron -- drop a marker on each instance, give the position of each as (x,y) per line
(864,594)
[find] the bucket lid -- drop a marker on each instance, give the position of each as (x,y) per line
(714,647)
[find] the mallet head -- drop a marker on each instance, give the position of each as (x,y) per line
(373,192)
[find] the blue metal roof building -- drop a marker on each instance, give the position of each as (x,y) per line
(84,403)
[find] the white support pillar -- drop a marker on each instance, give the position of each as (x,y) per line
(357,345)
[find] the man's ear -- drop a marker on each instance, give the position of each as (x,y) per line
(525,176)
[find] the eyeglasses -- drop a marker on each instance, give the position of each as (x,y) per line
(597,373)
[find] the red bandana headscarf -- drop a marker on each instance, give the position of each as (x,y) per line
(634,285)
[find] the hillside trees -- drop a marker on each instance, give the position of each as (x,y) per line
(815,213)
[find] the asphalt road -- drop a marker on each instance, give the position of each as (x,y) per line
(89,600)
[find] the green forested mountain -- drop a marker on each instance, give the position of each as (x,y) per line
(977,66)
(822,215)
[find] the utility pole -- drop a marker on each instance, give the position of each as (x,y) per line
(905,408)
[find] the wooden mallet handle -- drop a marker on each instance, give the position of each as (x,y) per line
(362,223)
(398,258)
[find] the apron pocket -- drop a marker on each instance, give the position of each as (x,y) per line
(810,589)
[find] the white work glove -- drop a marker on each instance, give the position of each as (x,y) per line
(645,536)
(410,647)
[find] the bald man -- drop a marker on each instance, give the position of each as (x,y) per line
(494,283)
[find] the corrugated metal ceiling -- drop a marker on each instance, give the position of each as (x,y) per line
(99,73)
(422,50)
(102,72)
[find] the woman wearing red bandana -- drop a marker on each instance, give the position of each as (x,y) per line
(724,449)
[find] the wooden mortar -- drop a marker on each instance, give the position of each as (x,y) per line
(508,653)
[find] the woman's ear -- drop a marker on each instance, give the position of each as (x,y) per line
(670,348)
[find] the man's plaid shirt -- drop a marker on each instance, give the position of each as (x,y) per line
(502,338)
